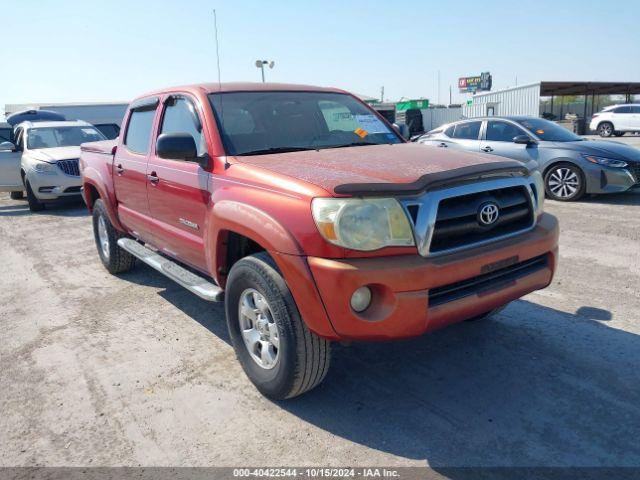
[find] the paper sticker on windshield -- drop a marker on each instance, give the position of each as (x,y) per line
(360,132)
(371,124)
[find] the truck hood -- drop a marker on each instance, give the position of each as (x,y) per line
(370,165)
(602,148)
(54,154)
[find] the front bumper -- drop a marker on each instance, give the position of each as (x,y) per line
(610,180)
(54,186)
(401,285)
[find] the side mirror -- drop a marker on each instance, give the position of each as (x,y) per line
(8,146)
(402,129)
(177,146)
(522,140)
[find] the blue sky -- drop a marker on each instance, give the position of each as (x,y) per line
(72,50)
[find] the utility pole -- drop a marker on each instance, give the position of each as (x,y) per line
(438,87)
(382,94)
(450,95)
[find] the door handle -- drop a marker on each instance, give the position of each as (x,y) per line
(153,178)
(487,149)
(119,169)
(442,145)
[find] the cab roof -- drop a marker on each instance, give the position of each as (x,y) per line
(243,87)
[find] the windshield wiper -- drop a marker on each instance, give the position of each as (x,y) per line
(266,151)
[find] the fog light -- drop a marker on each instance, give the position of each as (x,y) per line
(361,299)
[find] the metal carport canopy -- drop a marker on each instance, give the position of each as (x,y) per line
(548,89)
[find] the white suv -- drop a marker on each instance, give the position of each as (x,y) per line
(44,160)
(616,120)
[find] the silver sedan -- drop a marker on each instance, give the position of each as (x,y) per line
(571,166)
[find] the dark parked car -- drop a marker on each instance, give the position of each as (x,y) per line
(571,166)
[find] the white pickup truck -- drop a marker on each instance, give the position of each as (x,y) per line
(44,160)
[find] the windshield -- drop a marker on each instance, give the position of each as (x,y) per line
(52,137)
(253,123)
(548,131)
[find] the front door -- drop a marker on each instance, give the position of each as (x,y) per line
(179,194)
(498,140)
(10,179)
(130,170)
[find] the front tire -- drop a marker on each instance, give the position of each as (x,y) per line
(564,182)
(35,205)
(277,351)
(17,195)
(114,258)
(605,129)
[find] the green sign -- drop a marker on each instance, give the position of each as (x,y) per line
(469,103)
(411,104)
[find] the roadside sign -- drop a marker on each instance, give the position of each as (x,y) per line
(411,104)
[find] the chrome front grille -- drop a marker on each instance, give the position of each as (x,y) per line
(448,220)
(69,167)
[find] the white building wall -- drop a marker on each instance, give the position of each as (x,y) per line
(434,117)
(522,100)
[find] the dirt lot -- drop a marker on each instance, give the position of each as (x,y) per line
(100,370)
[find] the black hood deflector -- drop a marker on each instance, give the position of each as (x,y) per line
(432,181)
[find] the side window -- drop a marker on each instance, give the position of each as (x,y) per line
(502,132)
(626,109)
(181,117)
(109,130)
(635,109)
(467,131)
(139,130)
(449,131)
(20,139)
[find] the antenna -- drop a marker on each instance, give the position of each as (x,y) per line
(215,26)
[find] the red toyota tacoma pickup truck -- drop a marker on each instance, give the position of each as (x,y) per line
(313,219)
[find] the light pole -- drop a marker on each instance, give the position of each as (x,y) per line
(261,63)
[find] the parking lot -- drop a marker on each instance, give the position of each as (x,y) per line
(101,370)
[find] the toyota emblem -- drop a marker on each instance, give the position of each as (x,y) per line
(488,214)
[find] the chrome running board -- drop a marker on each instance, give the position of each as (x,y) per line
(194,283)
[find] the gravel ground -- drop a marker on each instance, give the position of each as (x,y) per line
(133,370)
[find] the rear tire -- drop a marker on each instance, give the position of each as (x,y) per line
(35,205)
(605,129)
(277,351)
(564,182)
(17,195)
(114,258)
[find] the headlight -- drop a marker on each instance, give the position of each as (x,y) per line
(45,168)
(359,224)
(607,162)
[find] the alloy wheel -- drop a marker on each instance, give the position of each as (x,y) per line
(606,130)
(103,236)
(258,328)
(564,183)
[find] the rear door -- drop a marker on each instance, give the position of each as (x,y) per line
(635,118)
(130,168)
(179,194)
(621,118)
(498,140)
(10,179)
(467,135)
